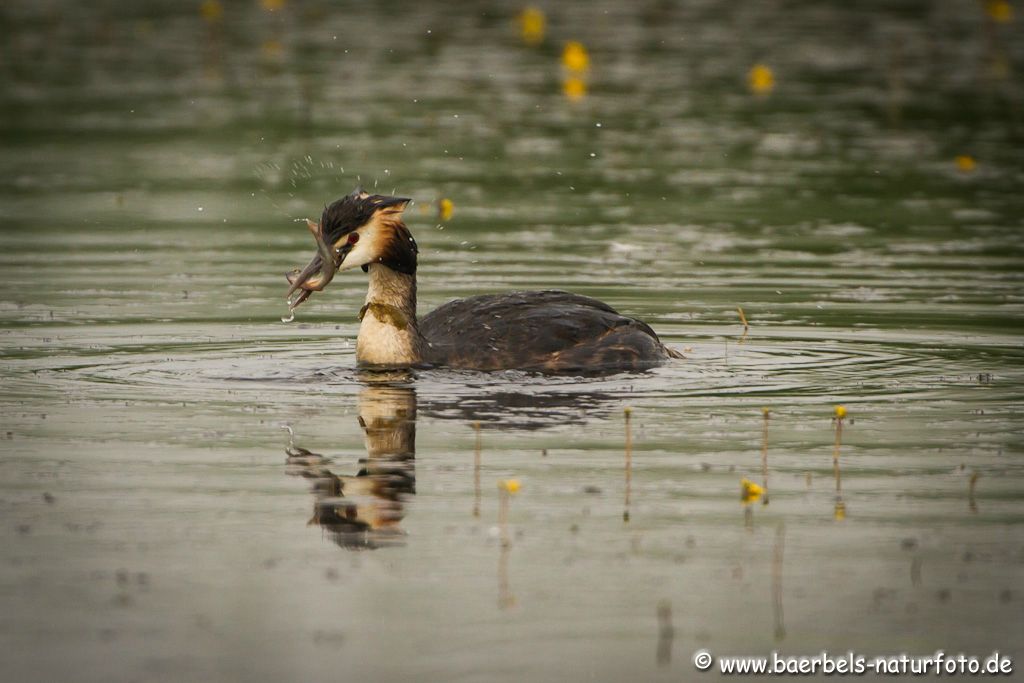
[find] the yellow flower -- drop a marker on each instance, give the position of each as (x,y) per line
(212,11)
(575,57)
(965,163)
(840,511)
(272,5)
(272,48)
(999,11)
(761,79)
(840,412)
(532,23)
(445,208)
(574,88)
(749,491)
(765,410)
(510,485)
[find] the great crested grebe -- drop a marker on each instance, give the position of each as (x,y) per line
(546,331)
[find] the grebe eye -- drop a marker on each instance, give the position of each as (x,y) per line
(353,237)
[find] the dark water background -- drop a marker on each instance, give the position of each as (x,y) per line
(153,159)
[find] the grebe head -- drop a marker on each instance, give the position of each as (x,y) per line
(355,231)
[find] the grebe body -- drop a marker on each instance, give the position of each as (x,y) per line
(547,331)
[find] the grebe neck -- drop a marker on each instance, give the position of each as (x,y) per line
(389,335)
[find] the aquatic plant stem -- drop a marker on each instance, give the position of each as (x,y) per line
(839,512)
(476,470)
(764,455)
(628,412)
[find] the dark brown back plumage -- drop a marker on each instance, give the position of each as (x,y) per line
(548,331)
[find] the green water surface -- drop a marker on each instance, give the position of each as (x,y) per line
(153,165)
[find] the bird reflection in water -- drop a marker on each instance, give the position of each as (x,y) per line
(365,510)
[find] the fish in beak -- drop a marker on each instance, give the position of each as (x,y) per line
(317,274)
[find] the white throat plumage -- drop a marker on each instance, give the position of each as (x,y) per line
(388,333)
